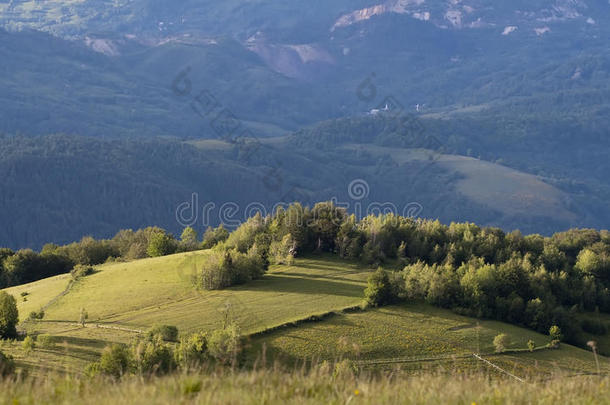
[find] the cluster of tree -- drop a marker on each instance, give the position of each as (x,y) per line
(529,280)
(532,281)
(159,352)
(26,265)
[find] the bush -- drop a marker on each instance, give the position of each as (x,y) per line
(555,333)
(153,357)
(501,342)
(45,341)
(115,361)
(225,344)
(7,365)
(28,344)
(36,315)
(192,351)
(81,270)
(167,333)
(378,290)
(9,316)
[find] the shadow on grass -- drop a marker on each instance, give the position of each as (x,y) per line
(271,283)
(322,276)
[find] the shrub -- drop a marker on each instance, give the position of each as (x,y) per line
(36,315)
(45,341)
(81,270)
(153,357)
(28,344)
(115,361)
(7,365)
(555,333)
(167,333)
(192,351)
(378,290)
(9,316)
(501,342)
(93,369)
(224,344)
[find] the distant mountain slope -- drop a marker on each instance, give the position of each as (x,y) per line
(489,80)
(59,188)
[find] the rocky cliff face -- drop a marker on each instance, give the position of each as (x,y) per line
(240,18)
(463,14)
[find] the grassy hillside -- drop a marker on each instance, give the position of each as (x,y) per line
(125,299)
(416,336)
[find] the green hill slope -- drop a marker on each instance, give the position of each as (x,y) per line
(417,336)
(125,299)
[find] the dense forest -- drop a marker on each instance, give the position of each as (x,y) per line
(165,172)
(530,280)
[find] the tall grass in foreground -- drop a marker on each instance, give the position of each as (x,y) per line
(317,386)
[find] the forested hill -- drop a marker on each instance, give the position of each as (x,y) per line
(484,272)
(58,188)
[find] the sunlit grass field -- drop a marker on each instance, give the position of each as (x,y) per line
(140,294)
(416,331)
(125,299)
(318,386)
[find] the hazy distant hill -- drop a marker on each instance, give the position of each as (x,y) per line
(522,86)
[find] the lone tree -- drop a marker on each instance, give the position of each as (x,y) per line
(9,316)
(500,342)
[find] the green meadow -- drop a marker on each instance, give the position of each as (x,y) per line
(305,312)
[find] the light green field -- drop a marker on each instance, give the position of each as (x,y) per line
(140,294)
(123,299)
(40,293)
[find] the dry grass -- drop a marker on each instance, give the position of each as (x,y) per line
(318,386)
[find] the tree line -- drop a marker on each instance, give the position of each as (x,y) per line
(530,280)
(26,265)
